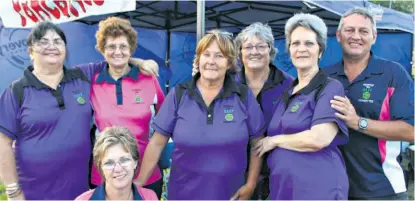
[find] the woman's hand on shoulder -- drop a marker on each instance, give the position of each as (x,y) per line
(147,67)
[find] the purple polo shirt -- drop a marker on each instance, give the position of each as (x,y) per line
(209,157)
(384,91)
(316,175)
(278,81)
(51,130)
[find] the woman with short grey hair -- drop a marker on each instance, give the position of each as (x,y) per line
(311,22)
(304,133)
(256,51)
(260,30)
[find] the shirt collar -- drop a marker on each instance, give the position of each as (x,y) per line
(99,193)
(275,76)
(372,66)
(29,79)
(104,75)
(229,86)
(319,80)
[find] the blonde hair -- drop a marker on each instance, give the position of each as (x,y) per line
(226,46)
(112,136)
(115,27)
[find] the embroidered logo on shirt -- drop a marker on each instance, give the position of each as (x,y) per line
(296,106)
(137,99)
(274,102)
(366,93)
(228,114)
(80,98)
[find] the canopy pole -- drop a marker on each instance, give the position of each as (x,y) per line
(200,19)
(413,54)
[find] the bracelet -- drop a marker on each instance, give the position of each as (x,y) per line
(14,193)
(12,185)
(13,190)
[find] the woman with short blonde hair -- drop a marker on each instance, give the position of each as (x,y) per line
(116,157)
(211,120)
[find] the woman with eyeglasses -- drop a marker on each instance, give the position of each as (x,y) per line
(211,120)
(47,114)
(116,156)
(256,52)
(122,96)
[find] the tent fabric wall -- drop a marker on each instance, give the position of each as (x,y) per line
(152,44)
(392,46)
(182,52)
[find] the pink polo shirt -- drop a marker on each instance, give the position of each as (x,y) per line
(131,102)
(146,194)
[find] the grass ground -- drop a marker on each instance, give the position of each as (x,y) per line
(2,194)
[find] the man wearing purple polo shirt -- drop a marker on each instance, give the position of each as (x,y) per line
(378,111)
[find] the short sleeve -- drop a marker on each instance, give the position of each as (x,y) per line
(255,120)
(90,69)
(165,120)
(324,113)
(159,93)
(9,109)
(147,194)
(402,97)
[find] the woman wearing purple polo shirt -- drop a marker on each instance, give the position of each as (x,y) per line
(304,132)
(211,120)
(255,45)
(256,49)
(47,113)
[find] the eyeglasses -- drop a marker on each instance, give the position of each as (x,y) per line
(44,43)
(110,164)
(113,47)
(259,48)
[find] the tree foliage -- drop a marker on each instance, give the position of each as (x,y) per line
(406,6)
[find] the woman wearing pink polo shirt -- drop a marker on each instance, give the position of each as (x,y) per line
(120,95)
(116,155)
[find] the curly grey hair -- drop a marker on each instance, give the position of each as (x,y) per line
(360,11)
(261,30)
(309,21)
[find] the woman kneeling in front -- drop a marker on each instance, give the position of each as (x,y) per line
(116,156)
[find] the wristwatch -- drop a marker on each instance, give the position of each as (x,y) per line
(363,123)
